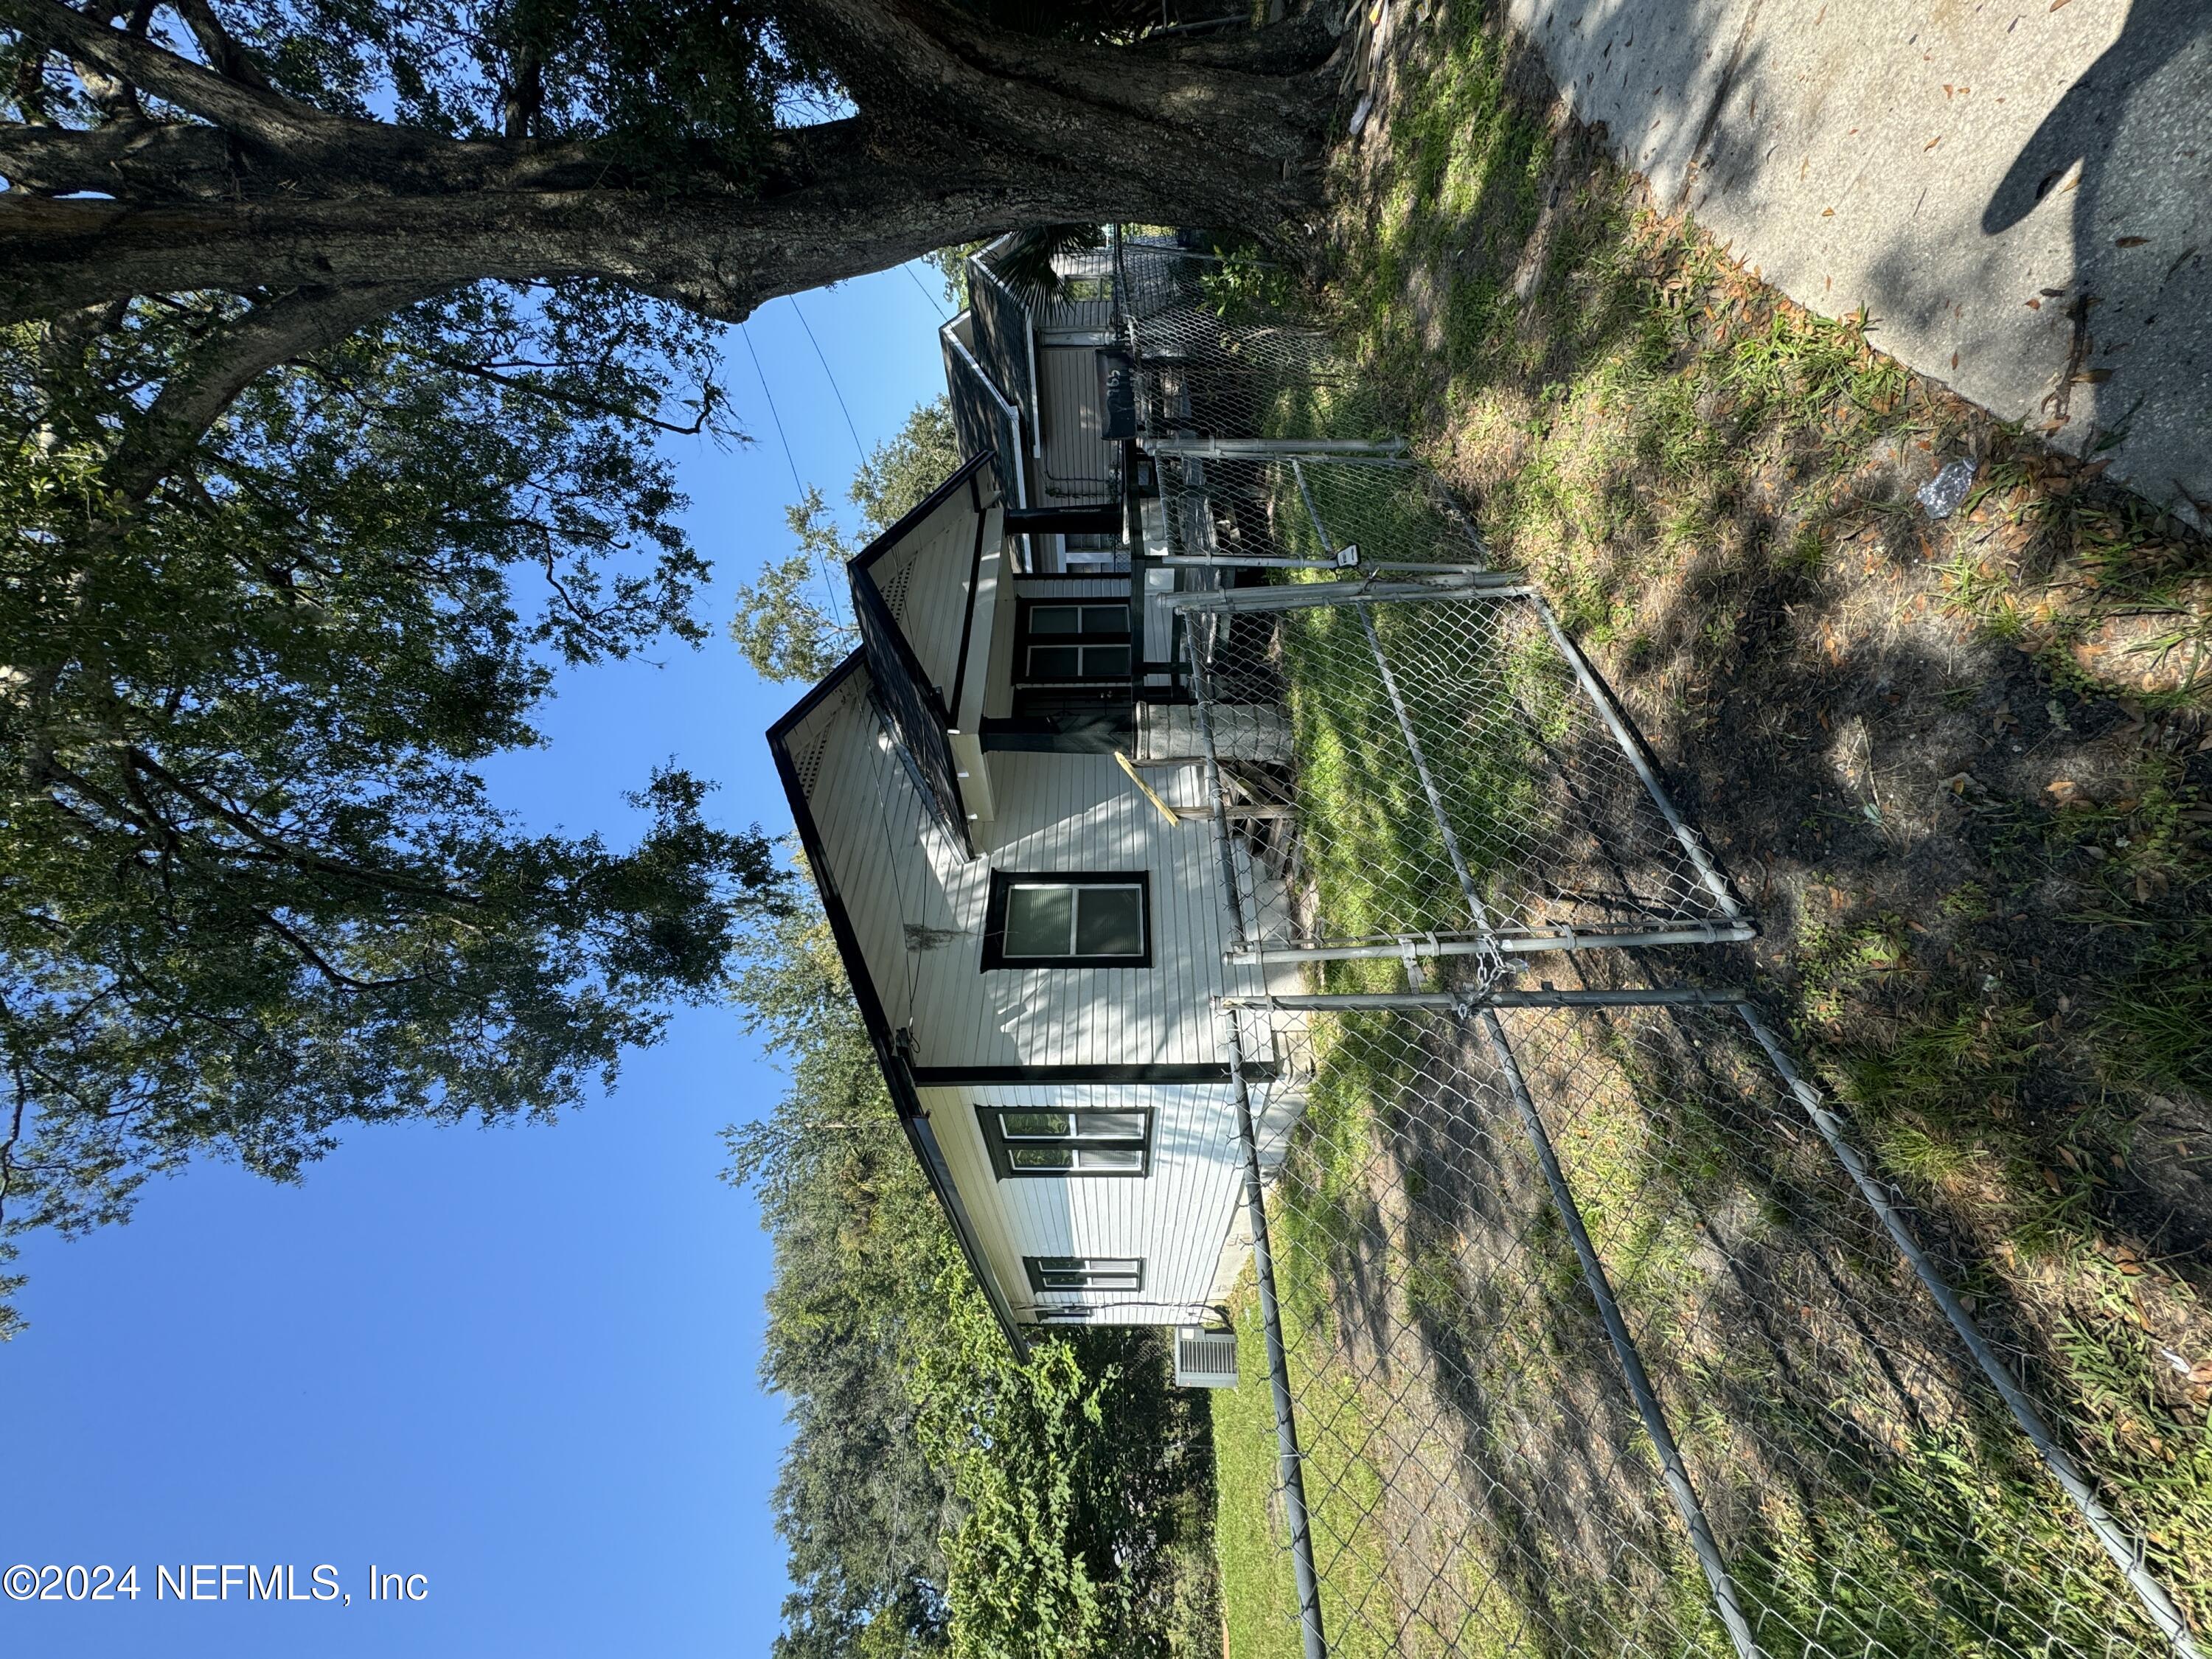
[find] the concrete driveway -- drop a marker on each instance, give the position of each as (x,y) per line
(2018,193)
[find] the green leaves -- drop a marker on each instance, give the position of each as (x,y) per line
(787,623)
(790,621)
(940,1495)
(676,89)
(254,891)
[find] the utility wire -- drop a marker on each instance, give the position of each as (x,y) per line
(858,448)
(789,459)
(933,300)
(821,564)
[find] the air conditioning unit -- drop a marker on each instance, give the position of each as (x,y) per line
(1204,1359)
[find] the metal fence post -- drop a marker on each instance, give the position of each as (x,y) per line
(1671,996)
(1672,1469)
(2127,1553)
(1452,582)
(1292,1466)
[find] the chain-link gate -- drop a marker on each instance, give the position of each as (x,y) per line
(1602,1338)
(1431,767)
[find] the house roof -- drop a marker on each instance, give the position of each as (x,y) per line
(910,692)
(903,702)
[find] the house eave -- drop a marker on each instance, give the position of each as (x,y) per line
(898,1077)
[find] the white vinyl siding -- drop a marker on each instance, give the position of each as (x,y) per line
(918,907)
(1175,1219)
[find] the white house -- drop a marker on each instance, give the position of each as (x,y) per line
(991,795)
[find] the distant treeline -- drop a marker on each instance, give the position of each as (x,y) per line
(938,1495)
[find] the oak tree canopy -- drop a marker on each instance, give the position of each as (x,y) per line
(340,341)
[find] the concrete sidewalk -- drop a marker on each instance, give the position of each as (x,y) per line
(2020,193)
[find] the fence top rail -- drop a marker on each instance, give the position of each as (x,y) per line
(1260,448)
(1669,996)
(1451,584)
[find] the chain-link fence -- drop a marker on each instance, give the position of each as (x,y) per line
(1600,1336)
(1589,1329)
(1219,347)
(1597,1347)
(1267,504)
(1434,769)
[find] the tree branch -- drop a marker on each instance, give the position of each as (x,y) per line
(490,374)
(930,63)
(306,321)
(519,107)
(242,107)
(112,93)
(965,130)
(30,91)
(282,851)
(224,55)
(335,975)
(850,197)
(133,159)
(297,146)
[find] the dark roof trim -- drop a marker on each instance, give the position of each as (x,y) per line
(896,1076)
(944,1077)
(913,515)
(975,581)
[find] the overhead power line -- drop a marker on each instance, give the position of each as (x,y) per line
(822,564)
(932,299)
(789,459)
(858,448)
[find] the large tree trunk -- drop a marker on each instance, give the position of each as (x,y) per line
(962,131)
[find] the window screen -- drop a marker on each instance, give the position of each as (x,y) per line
(1060,921)
(1051,921)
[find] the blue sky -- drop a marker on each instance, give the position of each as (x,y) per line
(517,1361)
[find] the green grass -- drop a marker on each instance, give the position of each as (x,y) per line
(1378,858)
(1938,1526)
(1260,1601)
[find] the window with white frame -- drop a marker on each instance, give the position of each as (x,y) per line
(1027,1142)
(1051,1273)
